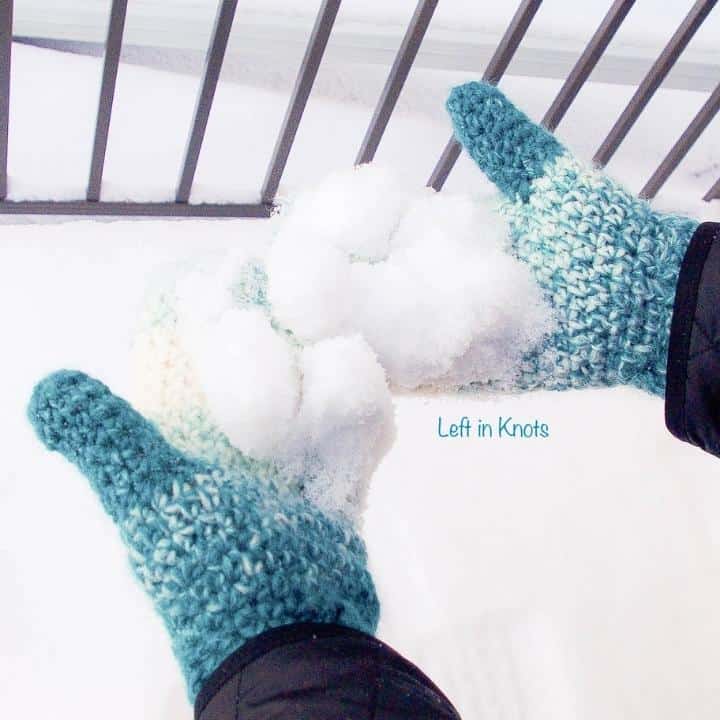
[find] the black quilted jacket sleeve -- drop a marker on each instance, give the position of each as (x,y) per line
(692,396)
(319,672)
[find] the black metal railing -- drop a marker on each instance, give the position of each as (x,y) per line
(417,27)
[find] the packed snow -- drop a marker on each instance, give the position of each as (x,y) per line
(573,576)
(364,280)
(422,276)
(215,371)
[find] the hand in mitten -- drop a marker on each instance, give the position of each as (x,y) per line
(224,554)
(224,382)
(607,263)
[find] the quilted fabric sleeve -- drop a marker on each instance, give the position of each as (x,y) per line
(323,672)
(692,398)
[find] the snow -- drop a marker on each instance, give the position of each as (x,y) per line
(253,395)
(220,377)
(556,24)
(393,283)
(345,423)
(573,576)
(421,275)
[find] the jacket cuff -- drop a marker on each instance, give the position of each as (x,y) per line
(324,672)
(692,395)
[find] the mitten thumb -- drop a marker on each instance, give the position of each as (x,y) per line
(507,146)
(120,452)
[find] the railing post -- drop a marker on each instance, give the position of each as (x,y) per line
(396,79)
(693,131)
(587,62)
(495,70)
(6,22)
(113,46)
(211,75)
(652,81)
(713,193)
(303,85)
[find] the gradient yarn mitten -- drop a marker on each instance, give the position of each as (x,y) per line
(607,262)
(224,382)
(223,556)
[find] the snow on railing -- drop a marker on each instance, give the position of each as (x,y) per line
(399,71)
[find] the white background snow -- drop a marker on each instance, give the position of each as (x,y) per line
(577,576)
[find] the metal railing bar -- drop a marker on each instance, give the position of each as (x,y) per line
(680,149)
(445,164)
(113,46)
(587,62)
(652,81)
(511,40)
(211,74)
(396,79)
(493,73)
(133,209)
(303,85)
(6,22)
(713,193)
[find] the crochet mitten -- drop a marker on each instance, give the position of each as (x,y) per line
(607,262)
(223,556)
(224,382)
(167,382)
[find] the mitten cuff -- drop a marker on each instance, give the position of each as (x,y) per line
(322,672)
(692,397)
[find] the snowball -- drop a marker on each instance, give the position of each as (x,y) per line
(374,282)
(478,309)
(449,220)
(309,287)
(355,210)
(441,303)
(212,283)
(250,379)
(410,324)
(345,423)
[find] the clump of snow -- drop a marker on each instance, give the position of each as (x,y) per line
(345,424)
(298,266)
(207,284)
(250,379)
(423,276)
(355,210)
(320,413)
(286,345)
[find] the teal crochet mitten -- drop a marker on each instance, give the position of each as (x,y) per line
(607,262)
(223,556)
(222,381)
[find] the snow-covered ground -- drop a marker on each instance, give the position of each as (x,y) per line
(462,32)
(573,576)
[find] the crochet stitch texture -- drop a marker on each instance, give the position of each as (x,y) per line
(223,556)
(607,262)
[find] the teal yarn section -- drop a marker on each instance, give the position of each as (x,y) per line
(510,149)
(222,556)
(607,262)
(120,452)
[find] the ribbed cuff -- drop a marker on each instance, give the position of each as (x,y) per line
(692,396)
